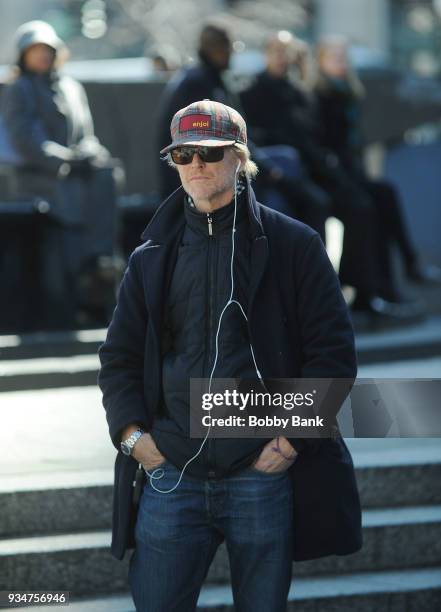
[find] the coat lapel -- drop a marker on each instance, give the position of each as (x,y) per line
(259,262)
(259,251)
(159,253)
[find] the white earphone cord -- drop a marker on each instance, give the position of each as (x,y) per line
(227,305)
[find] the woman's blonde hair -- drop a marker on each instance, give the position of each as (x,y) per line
(326,44)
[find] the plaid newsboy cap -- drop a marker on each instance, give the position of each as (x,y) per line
(207,124)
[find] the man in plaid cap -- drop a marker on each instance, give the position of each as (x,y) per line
(199,80)
(222,287)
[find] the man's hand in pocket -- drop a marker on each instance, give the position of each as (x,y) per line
(146,452)
(272,461)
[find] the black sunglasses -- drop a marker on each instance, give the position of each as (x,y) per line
(184,155)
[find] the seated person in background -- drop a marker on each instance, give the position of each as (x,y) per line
(303,198)
(281,109)
(339,94)
(50,126)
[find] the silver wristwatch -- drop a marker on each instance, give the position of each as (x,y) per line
(128,444)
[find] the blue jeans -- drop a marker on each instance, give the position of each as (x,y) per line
(177,535)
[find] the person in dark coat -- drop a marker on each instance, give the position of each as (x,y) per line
(191,306)
(61,160)
(297,123)
(339,94)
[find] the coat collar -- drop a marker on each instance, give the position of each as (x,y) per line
(169,218)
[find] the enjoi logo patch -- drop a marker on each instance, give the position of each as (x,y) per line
(190,123)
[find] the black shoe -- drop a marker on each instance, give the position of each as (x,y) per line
(377,306)
(424,275)
(396,310)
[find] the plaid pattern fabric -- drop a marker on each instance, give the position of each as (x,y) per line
(207,123)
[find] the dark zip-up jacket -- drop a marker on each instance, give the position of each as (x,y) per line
(299,327)
(200,287)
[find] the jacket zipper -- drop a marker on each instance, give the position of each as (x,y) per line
(212,262)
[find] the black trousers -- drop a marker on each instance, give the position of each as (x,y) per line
(392,231)
(353,206)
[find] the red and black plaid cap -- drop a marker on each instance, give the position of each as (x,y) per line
(207,124)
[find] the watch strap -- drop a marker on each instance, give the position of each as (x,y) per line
(130,442)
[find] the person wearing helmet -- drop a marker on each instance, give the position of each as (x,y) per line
(50,126)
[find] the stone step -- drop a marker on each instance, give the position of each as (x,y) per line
(48,372)
(401,475)
(51,360)
(416,341)
(82,371)
(391,591)
(39,512)
(393,538)
(51,344)
(42,503)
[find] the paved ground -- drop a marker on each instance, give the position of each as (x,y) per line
(54,430)
(416,368)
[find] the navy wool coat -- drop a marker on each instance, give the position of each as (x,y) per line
(299,327)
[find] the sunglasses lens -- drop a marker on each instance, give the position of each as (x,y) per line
(211,154)
(184,155)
